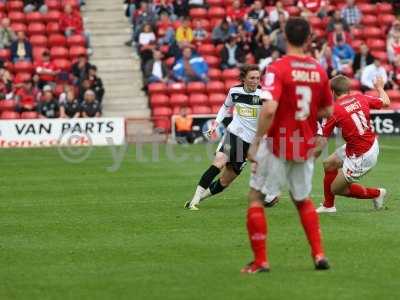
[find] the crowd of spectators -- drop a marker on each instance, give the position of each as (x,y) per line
(33,82)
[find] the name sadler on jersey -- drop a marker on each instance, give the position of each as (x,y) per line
(305,76)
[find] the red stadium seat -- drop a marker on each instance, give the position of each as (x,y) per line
(367,8)
(162,112)
(76,51)
(59,52)
(216,12)
(2,7)
(63,64)
(159,100)
(201,110)
(215,2)
(176,87)
(37,53)
(9,115)
(369,20)
(34,17)
(22,77)
(170,62)
(52,16)
(372,93)
(17,27)
(395,105)
(212,61)
(16,17)
(5,54)
(195,87)
(373,33)
(53,28)
(293,10)
(215,87)
(376,44)
(215,109)
(38,40)
(59,89)
(163,124)
(386,19)
(198,99)
(384,8)
(388,67)
(53,4)
(230,83)
(214,22)
(36,28)
(15,5)
(394,95)
(76,40)
(214,74)
(357,33)
(205,23)
(7,105)
(73,3)
(179,100)
(207,49)
(198,13)
(316,22)
(381,55)
(157,88)
(230,74)
(356,44)
(29,115)
(319,33)
(57,40)
(216,99)
(23,67)
(177,109)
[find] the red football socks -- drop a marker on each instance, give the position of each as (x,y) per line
(361,192)
(257,229)
(310,221)
(328,195)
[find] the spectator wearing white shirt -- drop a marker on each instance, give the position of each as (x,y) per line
(155,69)
(370,73)
(274,14)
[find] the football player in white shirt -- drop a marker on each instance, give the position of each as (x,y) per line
(231,153)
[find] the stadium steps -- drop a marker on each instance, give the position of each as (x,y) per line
(120,72)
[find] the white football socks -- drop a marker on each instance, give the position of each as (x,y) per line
(197,196)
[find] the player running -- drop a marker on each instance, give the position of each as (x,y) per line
(300,93)
(360,153)
(231,153)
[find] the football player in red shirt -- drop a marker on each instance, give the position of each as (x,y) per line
(360,153)
(299,89)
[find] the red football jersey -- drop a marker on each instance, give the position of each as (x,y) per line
(352,115)
(301,86)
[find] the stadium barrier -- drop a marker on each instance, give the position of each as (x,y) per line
(62,132)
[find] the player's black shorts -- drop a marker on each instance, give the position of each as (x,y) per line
(236,149)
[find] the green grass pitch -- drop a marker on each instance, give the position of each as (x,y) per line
(93,230)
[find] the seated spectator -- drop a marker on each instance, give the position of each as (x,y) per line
(181,8)
(370,73)
(83,87)
(164,6)
(143,15)
(165,25)
(337,34)
(394,76)
(155,69)
(184,34)
(35,5)
(147,42)
(232,55)
(48,106)
(70,107)
(199,33)
(26,97)
(7,35)
(257,12)
(393,45)
(342,55)
(264,50)
(80,70)
(244,37)
(96,84)
(5,81)
(351,14)
(362,59)
(262,28)
(21,49)
(183,127)
(46,70)
(221,33)
(90,107)
(190,67)
(235,12)
(337,18)
(310,7)
(278,9)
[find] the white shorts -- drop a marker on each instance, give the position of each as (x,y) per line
(273,174)
(357,166)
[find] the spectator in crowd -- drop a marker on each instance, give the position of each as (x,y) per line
(165,29)
(310,7)
(324,57)
(394,76)
(96,84)
(362,59)
(278,35)
(155,69)
(351,14)
(257,12)
(46,70)
(232,55)
(264,50)
(199,32)
(221,33)
(183,127)
(26,97)
(48,106)
(395,29)
(262,28)
(337,18)
(181,8)
(70,107)
(342,55)
(244,37)
(35,5)
(338,34)
(164,6)
(184,33)
(80,69)
(393,45)
(196,3)
(143,15)
(90,107)
(5,81)
(83,87)
(235,12)
(147,42)
(370,73)
(278,9)
(325,10)
(190,67)
(21,49)
(7,35)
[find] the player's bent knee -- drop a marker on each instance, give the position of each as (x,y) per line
(220,160)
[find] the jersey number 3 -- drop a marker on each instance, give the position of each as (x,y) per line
(303,103)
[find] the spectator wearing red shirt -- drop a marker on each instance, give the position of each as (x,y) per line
(26,95)
(310,7)
(236,11)
(46,70)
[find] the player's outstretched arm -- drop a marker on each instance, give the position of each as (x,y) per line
(379,84)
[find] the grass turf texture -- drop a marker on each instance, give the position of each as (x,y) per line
(79,231)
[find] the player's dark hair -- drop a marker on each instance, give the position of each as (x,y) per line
(297,31)
(246,68)
(340,85)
